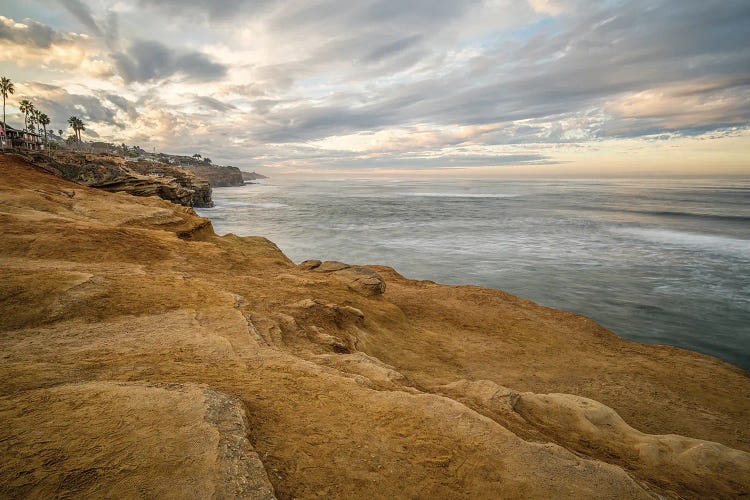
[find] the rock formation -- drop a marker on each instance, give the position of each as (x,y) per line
(139,178)
(252,176)
(218,176)
(358,278)
(143,355)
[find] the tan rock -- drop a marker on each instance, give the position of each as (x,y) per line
(362,280)
(331,265)
(309,264)
(115,439)
(428,391)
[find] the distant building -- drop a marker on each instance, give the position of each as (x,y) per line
(20,139)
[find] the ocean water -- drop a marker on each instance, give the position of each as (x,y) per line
(654,260)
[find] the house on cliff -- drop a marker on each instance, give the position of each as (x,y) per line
(20,139)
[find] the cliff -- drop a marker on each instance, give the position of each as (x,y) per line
(252,176)
(218,176)
(116,174)
(143,355)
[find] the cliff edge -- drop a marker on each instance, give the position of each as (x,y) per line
(143,355)
(117,174)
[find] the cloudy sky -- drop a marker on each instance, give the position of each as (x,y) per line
(482,86)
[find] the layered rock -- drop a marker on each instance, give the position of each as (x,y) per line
(139,178)
(360,279)
(159,440)
(143,355)
(218,176)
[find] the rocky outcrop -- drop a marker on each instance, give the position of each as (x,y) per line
(143,355)
(218,176)
(360,279)
(252,176)
(139,178)
(679,462)
(161,440)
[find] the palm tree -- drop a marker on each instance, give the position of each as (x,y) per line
(81,128)
(35,113)
(6,89)
(73,122)
(25,106)
(77,125)
(44,121)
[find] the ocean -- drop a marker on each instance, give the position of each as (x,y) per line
(655,260)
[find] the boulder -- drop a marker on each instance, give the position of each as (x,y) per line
(309,264)
(362,280)
(330,266)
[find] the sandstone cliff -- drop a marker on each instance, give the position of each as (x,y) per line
(143,355)
(218,176)
(139,178)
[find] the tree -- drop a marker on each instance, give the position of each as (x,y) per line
(44,121)
(26,108)
(60,132)
(77,125)
(73,123)
(35,115)
(207,160)
(6,89)
(81,128)
(196,155)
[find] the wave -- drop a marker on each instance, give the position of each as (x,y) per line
(677,214)
(460,195)
(705,242)
(266,205)
(697,215)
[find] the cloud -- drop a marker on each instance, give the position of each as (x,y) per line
(684,106)
(552,7)
(392,48)
(60,104)
(150,60)
(82,12)
(121,103)
(558,77)
(108,28)
(388,81)
(30,33)
(213,104)
(33,44)
(211,9)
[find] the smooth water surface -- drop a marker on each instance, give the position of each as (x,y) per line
(657,261)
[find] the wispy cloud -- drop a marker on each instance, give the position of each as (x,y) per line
(387,82)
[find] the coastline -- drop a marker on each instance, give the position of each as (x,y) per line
(455,391)
(655,278)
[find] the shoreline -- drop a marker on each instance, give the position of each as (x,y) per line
(388,389)
(642,295)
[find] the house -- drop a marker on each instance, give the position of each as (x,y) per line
(20,139)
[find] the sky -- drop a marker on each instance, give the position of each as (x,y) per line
(473,87)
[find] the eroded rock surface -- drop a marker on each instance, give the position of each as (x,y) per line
(218,176)
(144,355)
(117,439)
(361,279)
(139,178)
